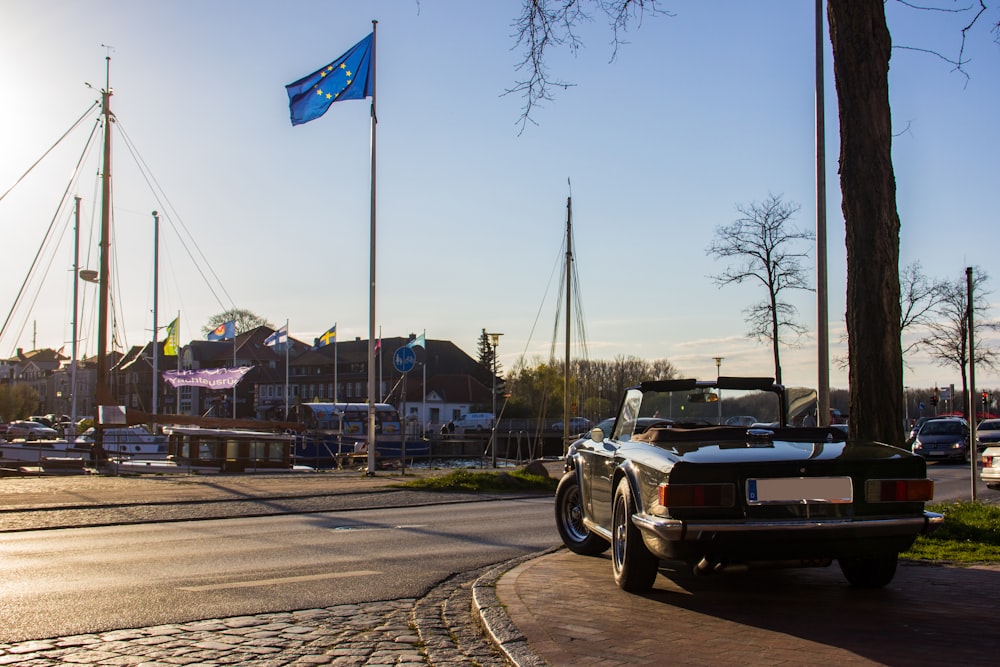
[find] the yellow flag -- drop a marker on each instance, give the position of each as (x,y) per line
(172,343)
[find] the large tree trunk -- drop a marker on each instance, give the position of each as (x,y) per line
(861,48)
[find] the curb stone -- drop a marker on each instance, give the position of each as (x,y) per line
(493,617)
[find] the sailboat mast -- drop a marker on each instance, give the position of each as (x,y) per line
(103,390)
(76,294)
(569,312)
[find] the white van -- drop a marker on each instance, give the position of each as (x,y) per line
(474,422)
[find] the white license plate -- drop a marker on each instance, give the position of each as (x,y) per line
(837,490)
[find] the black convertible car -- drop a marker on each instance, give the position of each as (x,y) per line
(725,498)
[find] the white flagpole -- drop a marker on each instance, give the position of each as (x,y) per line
(180,353)
(288,340)
(423,408)
(234,366)
(371,294)
(335,341)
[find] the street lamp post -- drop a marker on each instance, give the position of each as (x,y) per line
(494,341)
(718,374)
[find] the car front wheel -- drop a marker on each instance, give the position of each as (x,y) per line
(634,566)
(873,572)
(569,519)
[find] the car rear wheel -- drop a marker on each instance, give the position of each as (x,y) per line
(873,572)
(569,519)
(634,566)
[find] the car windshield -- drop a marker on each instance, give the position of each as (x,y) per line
(942,428)
(691,403)
(990,425)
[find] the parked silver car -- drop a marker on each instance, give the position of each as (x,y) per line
(30,430)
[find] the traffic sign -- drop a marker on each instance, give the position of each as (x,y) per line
(404,359)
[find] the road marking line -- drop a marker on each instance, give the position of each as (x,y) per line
(280,580)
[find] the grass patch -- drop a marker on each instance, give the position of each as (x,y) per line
(970,534)
(470,481)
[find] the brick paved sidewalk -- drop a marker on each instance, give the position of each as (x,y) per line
(571,613)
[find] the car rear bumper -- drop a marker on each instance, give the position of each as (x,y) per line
(675,530)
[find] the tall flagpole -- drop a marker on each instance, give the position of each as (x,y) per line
(234,366)
(423,408)
(288,343)
(371,287)
(335,341)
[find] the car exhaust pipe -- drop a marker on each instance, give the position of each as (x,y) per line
(707,566)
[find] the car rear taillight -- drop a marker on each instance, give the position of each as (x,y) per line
(697,495)
(987,461)
(899,490)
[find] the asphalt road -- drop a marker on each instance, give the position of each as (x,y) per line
(952,481)
(70,581)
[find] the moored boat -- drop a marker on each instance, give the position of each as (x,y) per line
(334,430)
(39,451)
(128,442)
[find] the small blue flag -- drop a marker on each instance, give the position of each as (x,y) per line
(225,331)
(349,77)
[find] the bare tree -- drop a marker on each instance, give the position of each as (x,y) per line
(919,297)
(947,340)
(244,320)
(762,245)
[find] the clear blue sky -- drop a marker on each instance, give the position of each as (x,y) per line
(701,111)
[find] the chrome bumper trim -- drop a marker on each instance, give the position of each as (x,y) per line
(676,530)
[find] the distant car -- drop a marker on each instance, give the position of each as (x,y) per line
(576,425)
(991,468)
(641,425)
(740,420)
(30,430)
(474,421)
(724,498)
(943,438)
(912,435)
(987,434)
(3,428)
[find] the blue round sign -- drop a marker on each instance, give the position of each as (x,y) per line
(404,359)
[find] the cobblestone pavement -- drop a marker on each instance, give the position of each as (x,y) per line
(438,629)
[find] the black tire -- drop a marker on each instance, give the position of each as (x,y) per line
(872,572)
(635,568)
(569,519)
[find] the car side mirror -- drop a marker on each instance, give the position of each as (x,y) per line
(597,434)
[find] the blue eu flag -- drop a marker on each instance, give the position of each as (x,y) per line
(349,77)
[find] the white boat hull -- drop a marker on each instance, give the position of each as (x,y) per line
(38,451)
